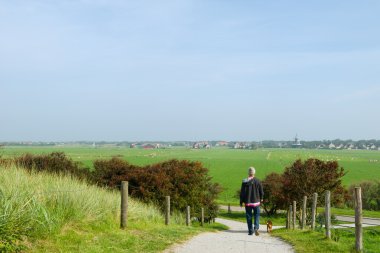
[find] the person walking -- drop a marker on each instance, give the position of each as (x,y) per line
(251,195)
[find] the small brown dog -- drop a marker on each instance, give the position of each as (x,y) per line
(269,226)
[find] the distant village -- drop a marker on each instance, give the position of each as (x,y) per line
(296,143)
(336,144)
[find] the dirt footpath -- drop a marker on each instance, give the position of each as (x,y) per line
(236,239)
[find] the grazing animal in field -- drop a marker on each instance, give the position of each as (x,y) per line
(269,226)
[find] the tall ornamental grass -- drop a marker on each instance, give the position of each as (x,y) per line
(35,205)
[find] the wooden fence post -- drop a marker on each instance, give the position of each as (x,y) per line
(328,215)
(124,204)
(202,216)
(167,210)
(188,216)
(304,213)
(314,210)
(289,221)
(229,208)
(294,214)
(358,220)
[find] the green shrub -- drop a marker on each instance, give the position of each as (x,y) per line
(370,195)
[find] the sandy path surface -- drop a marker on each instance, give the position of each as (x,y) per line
(236,239)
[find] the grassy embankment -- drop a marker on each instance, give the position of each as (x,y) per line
(47,213)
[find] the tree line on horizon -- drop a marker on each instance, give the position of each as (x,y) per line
(321,144)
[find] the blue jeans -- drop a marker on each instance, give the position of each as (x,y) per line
(256,217)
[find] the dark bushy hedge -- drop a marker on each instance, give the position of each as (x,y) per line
(56,162)
(186,182)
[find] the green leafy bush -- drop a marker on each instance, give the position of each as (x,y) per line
(370,195)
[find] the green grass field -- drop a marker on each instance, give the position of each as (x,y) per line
(227,166)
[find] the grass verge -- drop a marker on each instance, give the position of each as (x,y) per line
(343,240)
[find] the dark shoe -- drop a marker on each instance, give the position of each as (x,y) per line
(257,232)
(250,233)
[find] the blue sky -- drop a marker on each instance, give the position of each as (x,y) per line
(189,70)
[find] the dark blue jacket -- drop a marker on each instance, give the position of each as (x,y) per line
(251,191)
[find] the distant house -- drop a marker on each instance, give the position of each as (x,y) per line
(332,146)
(201,144)
(373,147)
(222,143)
(133,145)
(148,146)
(240,145)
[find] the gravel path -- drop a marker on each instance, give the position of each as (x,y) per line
(235,239)
(365,221)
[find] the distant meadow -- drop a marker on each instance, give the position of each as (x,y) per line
(227,166)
